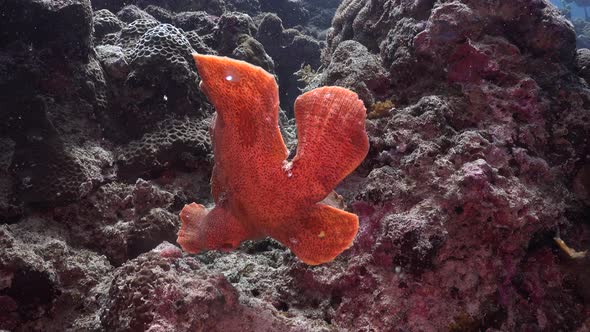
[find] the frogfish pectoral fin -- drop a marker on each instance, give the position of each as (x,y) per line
(191,216)
(319,234)
(217,229)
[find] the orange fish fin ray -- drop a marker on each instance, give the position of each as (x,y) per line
(210,230)
(191,216)
(319,234)
(332,139)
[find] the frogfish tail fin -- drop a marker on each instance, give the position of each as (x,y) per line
(319,234)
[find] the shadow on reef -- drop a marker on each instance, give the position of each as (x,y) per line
(478,123)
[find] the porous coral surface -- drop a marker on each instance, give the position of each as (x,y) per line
(478,159)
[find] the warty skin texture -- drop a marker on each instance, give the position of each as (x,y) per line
(257,191)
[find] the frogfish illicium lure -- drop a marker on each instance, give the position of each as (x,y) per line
(257,191)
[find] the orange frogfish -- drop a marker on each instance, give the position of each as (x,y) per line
(257,191)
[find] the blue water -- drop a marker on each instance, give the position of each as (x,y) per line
(577,12)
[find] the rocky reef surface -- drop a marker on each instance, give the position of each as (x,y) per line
(479,119)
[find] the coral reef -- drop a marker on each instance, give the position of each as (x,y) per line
(67,24)
(121,221)
(478,159)
(582,28)
(354,67)
(45,281)
(174,141)
(470,172)
(291,50)
(164,291)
